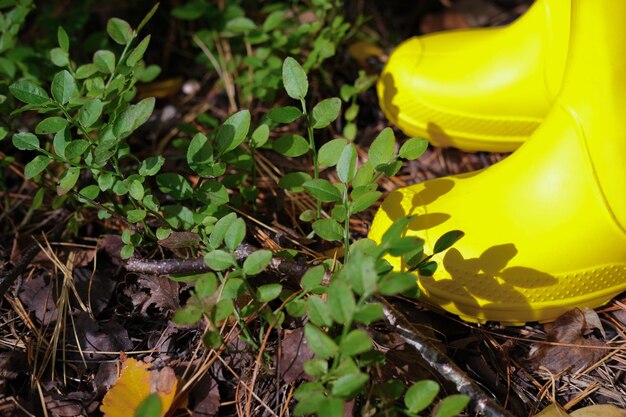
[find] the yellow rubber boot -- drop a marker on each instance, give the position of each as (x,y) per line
(544,228)
(484,89)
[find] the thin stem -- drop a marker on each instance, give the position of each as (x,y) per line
(346,226)
(309,130)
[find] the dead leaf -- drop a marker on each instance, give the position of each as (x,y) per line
(599,410)
(112,246)
(582,329)
(205,397)
(94,289)
(294,353)
(39,296)
(95,338)
(178,240)
(134,385)
(162,293)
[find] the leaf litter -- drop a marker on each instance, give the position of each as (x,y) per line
(576,361)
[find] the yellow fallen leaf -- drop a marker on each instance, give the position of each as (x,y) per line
(553,410)
(134,385)
(599,410)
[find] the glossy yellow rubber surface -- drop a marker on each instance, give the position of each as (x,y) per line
(483,89)
(544,228)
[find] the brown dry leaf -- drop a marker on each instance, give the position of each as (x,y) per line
(163,293)
(205,397)
(134,385)
(96,337)
(178,240)
(39,295)
(576,327)
(599,410)
(294,353)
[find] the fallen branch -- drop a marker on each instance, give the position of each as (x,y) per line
(282,266)
(440,362)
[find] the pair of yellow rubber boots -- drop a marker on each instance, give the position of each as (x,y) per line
(544,228)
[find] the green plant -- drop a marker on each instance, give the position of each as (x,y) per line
(84,152)
(247,49)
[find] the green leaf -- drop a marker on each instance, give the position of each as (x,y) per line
(331,406)
(291,145)
(150,407)
(396,282)
(312,278)
(355,343)
(63,86)
(137,53)
(85,71)
(316,367)
(420,395)
(329,153)
(346,165)
(294,181)
(273,20)
(76,148)
(38,199)
(364,201)
(90,112)
(413,148)
(347,386)
(451,406)
(391,168)
(260,136)
(382,149)
(120,31)
(59,57)
(396,230)
(212,192)
(68,180)
(29,93)
(91,191)
(36,166)
(136,190)
(147,17)
(220,229)
(240,24)
(151,166)
(328,229)
(257,262)
(235,234)
(447,240)
(188,315)
(323,190)
(25,141)
(285,114)
(218,260)
(319,342)
(268,292)
(233,131)
(51,125)
(360,271)
(63,39)
(325,112)
(175,185)
(199,153)
(105,61)
(133,117)
(106,181)
(318,311)
(206,285)
(428,269)
(369,313)
(135,215)
(364,175)
(294,79)
(340,301)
